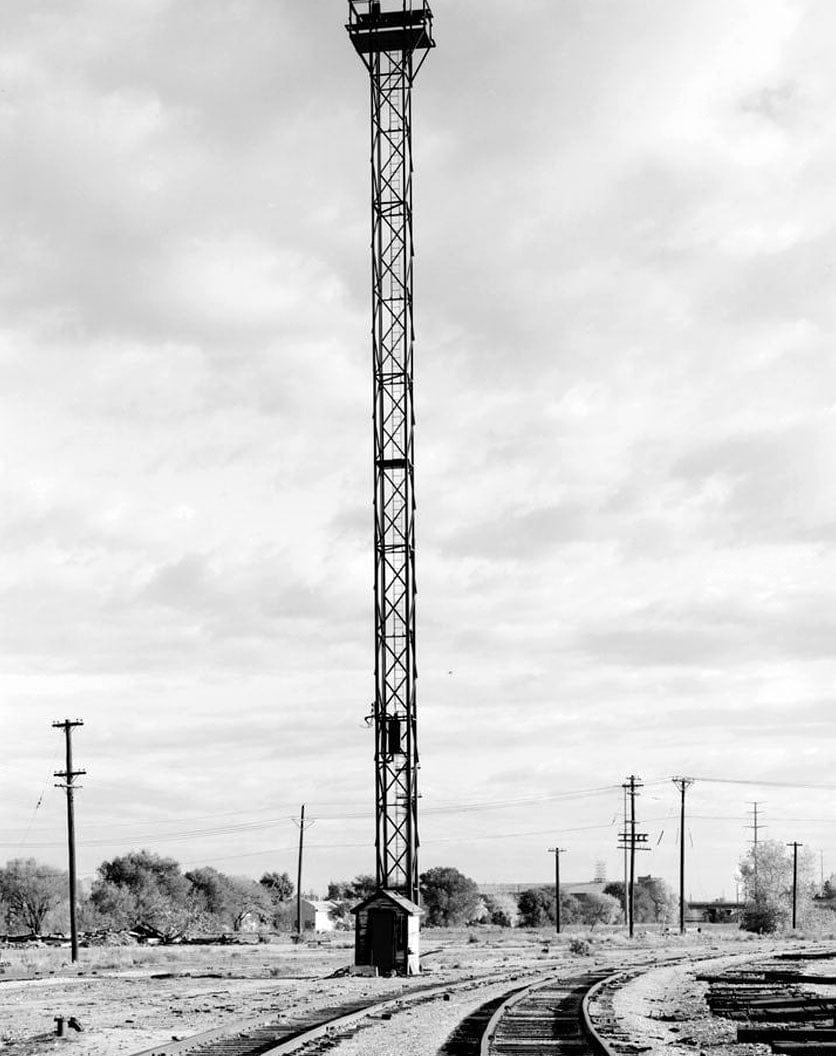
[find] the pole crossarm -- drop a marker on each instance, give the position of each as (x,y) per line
(393,39)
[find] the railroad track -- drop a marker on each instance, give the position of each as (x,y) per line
(537,1015)
(551,1017)
(279,1035)
(778,1007)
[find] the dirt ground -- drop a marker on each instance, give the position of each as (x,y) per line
(665,1009)
(130,998)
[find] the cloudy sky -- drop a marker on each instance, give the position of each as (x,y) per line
(626,443)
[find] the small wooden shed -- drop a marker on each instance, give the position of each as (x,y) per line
(387,933)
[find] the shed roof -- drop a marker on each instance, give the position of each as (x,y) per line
(410,908)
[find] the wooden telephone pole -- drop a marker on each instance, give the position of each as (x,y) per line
(299,873)
(69,774)
(795,845)
(632,841)
(302,825)
(682,784)
(557,851)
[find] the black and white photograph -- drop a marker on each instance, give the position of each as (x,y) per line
(418,527)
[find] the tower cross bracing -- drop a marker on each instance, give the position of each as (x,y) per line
(393,40)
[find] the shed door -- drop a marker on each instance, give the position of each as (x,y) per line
(382,934)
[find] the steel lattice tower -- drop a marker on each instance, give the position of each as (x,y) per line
(393,40)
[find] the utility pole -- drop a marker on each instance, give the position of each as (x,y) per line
(682,784)
(557,851)
(626,854)
(301,824)
(756,827)
(795,845)
(69,774)
(633,841)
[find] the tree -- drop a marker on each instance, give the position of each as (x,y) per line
(279,886)
(138,870)
(363,885)
(767,886)
(143,890)
(536,907)
(599,909)
(449,896)
(231,899)
(247,898)
(30,890)
(653,899)
(571,908)
(213,889)
(501,910)
(762,917)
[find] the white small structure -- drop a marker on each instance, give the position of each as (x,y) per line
(315,915)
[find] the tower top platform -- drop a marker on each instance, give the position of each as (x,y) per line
(404,25)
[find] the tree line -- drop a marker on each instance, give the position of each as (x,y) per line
(147,894)
(150,895)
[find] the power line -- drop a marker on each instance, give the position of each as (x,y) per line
(475,806)
(768,784)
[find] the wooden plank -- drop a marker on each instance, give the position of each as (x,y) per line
(769,1034)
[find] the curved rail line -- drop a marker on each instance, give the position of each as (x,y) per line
(287,1034)
(549,1017)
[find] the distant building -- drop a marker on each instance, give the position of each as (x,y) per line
(581,890)
(316,916)
(717,912)
(509,888)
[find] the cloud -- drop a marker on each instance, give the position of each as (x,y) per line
(777,482)
(720,634)
(624,395)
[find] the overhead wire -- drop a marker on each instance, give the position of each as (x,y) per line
(475,806)
(765,783)
(39,802)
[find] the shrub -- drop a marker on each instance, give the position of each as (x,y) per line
(501,910)
(762,917)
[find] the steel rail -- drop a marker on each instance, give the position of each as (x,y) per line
(597,1041)
(218,1039)
(585,1026)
